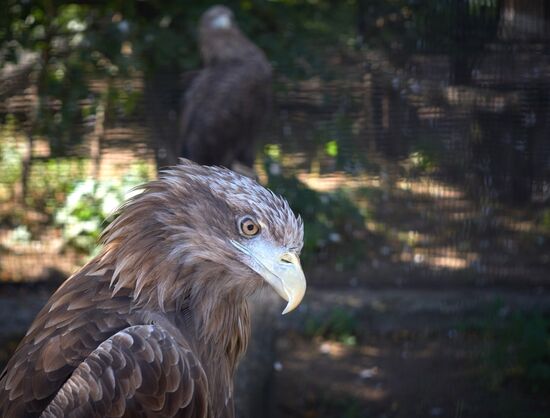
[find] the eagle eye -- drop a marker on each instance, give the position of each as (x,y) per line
(248,227)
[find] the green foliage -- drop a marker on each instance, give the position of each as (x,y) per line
(341,406)
(20,234)
(545,220)
(426,153)
(518,348)
(51,180)
(331,148)
(123,101)
(421,161)
(89,206)
(331,220)
(404,25)
(338,325)
(10,156)
(522,351)
(79,44)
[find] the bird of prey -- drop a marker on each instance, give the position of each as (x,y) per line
(155,324)
(228,101)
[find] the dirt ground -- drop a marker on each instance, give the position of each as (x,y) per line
(413,358)
(390,376)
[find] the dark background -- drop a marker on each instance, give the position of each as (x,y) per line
(412,136)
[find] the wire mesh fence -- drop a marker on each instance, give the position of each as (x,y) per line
(414,155)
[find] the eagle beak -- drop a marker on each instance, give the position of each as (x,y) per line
(281,270)
(288,280)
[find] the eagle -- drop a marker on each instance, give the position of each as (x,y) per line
(228,101)
(155,324)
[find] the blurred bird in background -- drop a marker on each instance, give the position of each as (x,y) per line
(229,101)
(157,322)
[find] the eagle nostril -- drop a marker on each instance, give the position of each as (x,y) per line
(287,258)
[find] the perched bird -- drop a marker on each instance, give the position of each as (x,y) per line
(156,323)
(228,101)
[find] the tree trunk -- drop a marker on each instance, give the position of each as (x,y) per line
(38,105)
(97,139)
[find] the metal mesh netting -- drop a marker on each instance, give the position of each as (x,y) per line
(419,158)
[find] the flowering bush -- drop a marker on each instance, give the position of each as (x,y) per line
(90,207)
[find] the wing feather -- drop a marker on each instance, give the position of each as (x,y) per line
(139,371)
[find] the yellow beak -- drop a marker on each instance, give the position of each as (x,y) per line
(281,269)
(287,278)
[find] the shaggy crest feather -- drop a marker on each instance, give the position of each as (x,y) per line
(184,243)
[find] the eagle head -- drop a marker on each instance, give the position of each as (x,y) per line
(217,17)
(206,227)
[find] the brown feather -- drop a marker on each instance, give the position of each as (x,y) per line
(229,101)
(157,322)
